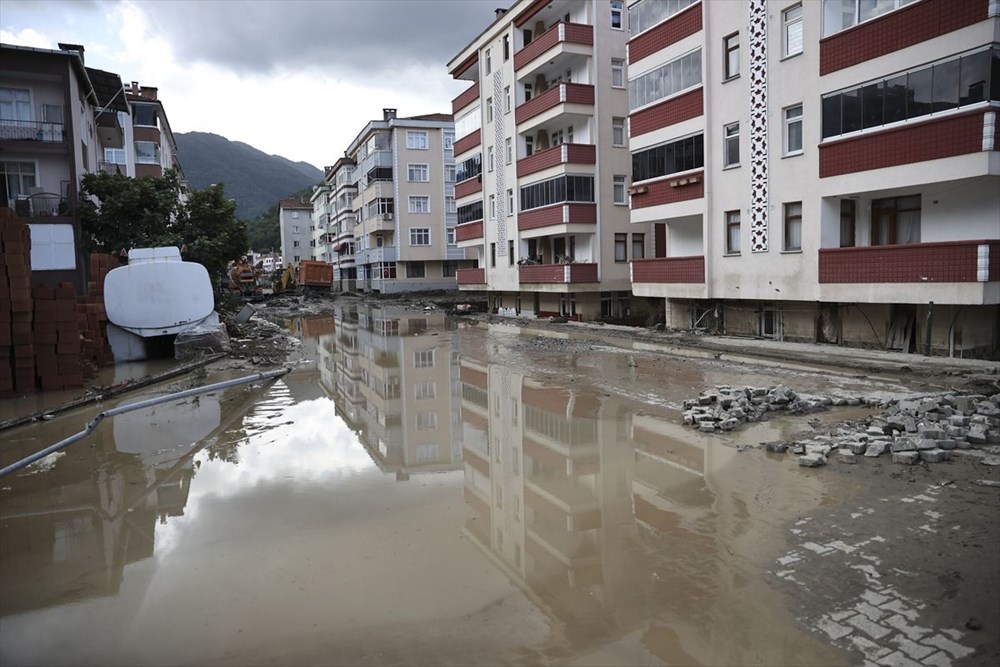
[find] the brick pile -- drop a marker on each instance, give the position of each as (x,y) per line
(57,337)
(17,368)
(91,316)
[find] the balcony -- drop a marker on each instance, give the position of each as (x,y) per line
(29,130)
(564,93)
(559,34)
(948,262)
(45,205)
(558,274)
(467,97)
(559,214)
(669,270)
(468,142)
(469,231)
(469,186)
(111,168)
(471,276)
(562,154)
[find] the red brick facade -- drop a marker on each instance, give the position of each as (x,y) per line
(573,33)
(669,270)
(674,29)
(574,154)
(575,93)
(582,214)
(468,96)
(897,30)
(947,262)
(661,192)
(556,273)
(471,276)
(469,186)
(906,144)
(667,113)
(467,142)
(469,231)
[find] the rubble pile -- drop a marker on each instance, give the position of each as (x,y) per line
(725,408)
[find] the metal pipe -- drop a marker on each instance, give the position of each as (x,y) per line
(930,321)
(95,422)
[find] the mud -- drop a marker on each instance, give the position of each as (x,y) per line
(430,491)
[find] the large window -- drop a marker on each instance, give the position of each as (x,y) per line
(418,173)
(144,114)
(15,104)
(732,232)
(793,226)
(416,139)
(19,178)
(791,20)
(147,152)
(415,269)
(469,168)
(644,15)
(962,81)
(665,80)
(896,220)
(731,56)
(731,145)
(420,204)
(114,155)
(470,212)
(793,130)
(423,358)
(842,14)
(557,190)
(667,159)
(420,236)
(468,123)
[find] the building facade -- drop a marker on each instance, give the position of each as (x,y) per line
(342,189)
(150,148)
(294,220)
(319,243)
(543,161)
(820,171)
(405,204)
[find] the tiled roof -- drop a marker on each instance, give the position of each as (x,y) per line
(294,203)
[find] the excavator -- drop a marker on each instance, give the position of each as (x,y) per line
(244,278)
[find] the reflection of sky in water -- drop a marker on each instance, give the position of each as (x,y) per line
(286,443)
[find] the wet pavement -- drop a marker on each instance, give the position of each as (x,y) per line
(418,492)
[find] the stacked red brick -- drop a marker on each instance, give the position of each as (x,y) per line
(91,316)
(17,370)
(57,338)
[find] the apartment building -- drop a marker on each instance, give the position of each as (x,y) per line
(294,221)
(342,189)
(57,117)
(543,161)
(319,246)
(820,171)
(405,204)
(150,148)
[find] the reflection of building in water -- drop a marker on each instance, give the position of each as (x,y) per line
(393,375)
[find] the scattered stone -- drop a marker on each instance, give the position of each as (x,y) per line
(906,458)
(991,461)
(876,449)
(846,456)
(935,455)
(986,482)
(779,447)
(813,460)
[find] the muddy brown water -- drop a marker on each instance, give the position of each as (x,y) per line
(418,493)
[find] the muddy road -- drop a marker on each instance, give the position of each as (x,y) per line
(420,490)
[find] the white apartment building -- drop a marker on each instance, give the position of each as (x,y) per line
(294,220)
(405,204)
(543,161)
(342,190)
(820,171)
(319,247)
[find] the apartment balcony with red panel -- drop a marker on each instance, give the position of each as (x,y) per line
(562,154)
(467,97)
(669,270)
(471,276)
(558,214)
(669,112)
(469,231)
(560,33)
(468,142)
(690,185)
(564,93)
(682,24)
(469,186)
(921,263)
(558,273)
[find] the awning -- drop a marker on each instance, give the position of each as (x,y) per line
(337,247)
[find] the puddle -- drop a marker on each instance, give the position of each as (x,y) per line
(419,493)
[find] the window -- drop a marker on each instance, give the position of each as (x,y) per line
(15,104)
(493,255)
(666,80)
(617,12)
(489,109)
(449,269)
(416,139)
(731,56)
(425,391)
(420,236)
(506,99)
(529,146)
(617,73)
(848,218)
(423,359)
(451,235)
(295,214)
(666,159)
(449,204)
(732,232)
(556,191)
(489,158)
(617,131)
(793,226)
(468,123)
(469,168)
(147,152)
(506,48)
(793,130)
(619,190)
(896,220)
(470,212)
(638,246)
(415,269)
(493,207)
(296,259)
(527,91)
(295,228)
(420,204)
(510,150)
(644,15)
(842,14)
(621,241)
(114,155)
(449,173)
(144,114)
(510,201)
(295,244)
(791,19)
(52,247)
(489,61)
(510,252)
(418,173)
(731,145)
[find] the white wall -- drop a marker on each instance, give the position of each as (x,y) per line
(684,237)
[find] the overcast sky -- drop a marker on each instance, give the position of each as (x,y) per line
(293,78)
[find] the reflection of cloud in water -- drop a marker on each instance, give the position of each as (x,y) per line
(308,443)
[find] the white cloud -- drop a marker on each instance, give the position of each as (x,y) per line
(26,37)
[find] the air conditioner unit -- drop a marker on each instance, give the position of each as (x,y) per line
(387,216)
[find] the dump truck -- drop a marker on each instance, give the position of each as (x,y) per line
(315,275)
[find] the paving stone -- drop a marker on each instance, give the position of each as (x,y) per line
(868,648)
(873,630)
(906,458)
(873,613)
(817,548)
(874,598)
(897,659)
(945,644)
(939,659)
(834,630)
(912,648)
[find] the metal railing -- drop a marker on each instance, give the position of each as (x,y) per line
(30,130)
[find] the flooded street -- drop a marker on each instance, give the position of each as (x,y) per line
(417,492)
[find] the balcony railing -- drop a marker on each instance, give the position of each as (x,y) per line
(469,186)
(111,168)
(558,273)
(43,205)
(559,214)
(467,97)
(573,33)
(946,262)
(669,270)
(471,276)
(469,231)
(570,93)
(562,154)
(29,130)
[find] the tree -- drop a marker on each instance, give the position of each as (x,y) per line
(209,228)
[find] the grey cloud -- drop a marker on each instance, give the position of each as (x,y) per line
(351,38)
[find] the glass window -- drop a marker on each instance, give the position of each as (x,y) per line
(489,158)
(493,207)
(420,204)
(506,48)
(144,114)
(114,155)
(644,15)
(620,247)
(617,73)
(451,236)
(470,212)
(420,236)
(449,204)
(792,20)
(510,150)
(848,218)
(793,130)
(147,152)
(510,201)
(638,246)
(617,131)
(895,220)
(489,109)
(418,173)
(619,190)
(416,139)
(470,168)
(731,56)
(617,12)
(666,80)
(732,232)
(506,98)
(448,139)
(423,358)
(415,269)
(731,145)
(449,173)
(15,104)
(557,190)
(666,159)
(468,123)
(793,226)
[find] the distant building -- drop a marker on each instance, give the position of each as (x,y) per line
(319,246)
(294,219)
(405,204)
(149,141)
(342,189)
(57,119)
